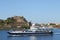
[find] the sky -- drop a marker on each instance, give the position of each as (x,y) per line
(37,11)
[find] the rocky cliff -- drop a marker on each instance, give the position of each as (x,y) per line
(14,22)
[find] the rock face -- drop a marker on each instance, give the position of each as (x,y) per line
(15,22)
(19,20)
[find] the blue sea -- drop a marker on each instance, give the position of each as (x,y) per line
(55,36)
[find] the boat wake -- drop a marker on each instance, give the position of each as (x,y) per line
(57,33)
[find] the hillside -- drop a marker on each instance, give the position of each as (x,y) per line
(14,22)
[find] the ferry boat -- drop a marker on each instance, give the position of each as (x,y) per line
(34,30)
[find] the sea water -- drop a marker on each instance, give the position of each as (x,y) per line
(55,36)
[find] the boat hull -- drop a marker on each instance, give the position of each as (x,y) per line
(37,33)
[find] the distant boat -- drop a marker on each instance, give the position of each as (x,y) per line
(34,30)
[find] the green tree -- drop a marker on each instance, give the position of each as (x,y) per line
(2,22)
(10,21)
(25,26)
